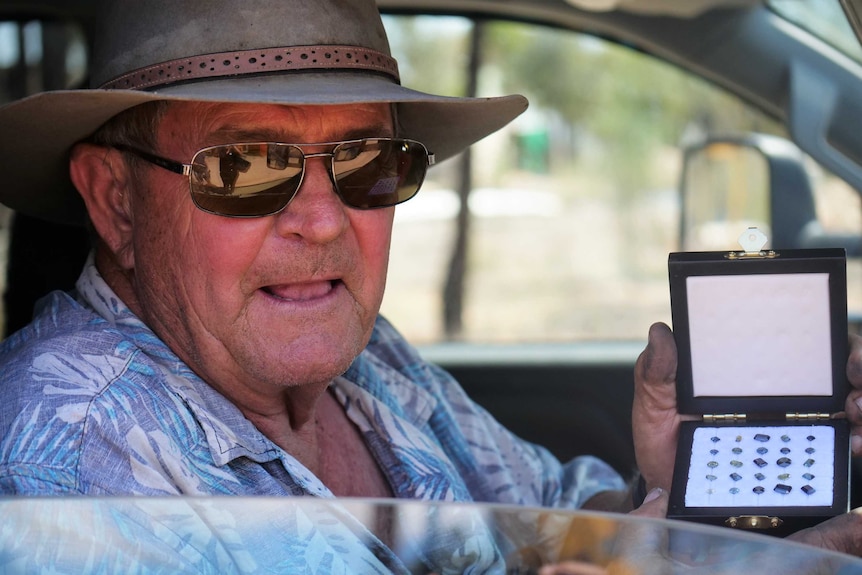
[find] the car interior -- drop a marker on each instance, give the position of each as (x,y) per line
(532,266)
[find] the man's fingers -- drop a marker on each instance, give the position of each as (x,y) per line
(842,533)
(655,370)
(854,361)
(654,505)
(641,546)
(853,405)
(655,419)
(572,568)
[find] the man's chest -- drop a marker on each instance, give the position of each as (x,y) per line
(347,466)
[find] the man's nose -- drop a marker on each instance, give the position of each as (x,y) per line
(316,212)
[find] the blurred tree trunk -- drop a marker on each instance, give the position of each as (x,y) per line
(453,290)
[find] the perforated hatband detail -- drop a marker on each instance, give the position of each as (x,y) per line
(323,57)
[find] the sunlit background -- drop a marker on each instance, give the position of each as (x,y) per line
(570,211)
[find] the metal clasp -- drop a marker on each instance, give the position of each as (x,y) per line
(753,522)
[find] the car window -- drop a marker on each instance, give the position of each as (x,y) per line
(35,55)
(575,206)
(572,209)
(823,18)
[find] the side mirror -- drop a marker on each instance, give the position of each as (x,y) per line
(730,183)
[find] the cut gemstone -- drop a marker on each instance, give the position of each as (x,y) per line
(782,489)
(783,462)
(785,450)
(762,437)
(759,462)
(762,450)
(807,476)
(712,464)
(808,462)
(736,463)
(808,489)
(759,489)
(785,438)
(735,476)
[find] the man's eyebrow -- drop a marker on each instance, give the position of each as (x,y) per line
(238,135)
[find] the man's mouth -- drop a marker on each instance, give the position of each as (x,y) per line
(305,291)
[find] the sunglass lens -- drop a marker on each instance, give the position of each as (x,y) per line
(376,173)
(246,180)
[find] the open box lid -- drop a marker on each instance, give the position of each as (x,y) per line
(760,333)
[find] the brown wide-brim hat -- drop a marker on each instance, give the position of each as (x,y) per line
(300,52)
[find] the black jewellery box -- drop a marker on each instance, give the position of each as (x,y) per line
(762,343)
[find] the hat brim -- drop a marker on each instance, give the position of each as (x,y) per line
(37,133)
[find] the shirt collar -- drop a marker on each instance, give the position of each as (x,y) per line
(229,434)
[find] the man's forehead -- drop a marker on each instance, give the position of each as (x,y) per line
(221,123)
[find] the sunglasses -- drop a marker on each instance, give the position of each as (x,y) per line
(260,179)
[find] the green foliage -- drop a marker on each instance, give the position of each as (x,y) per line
(617,108)
(626,102)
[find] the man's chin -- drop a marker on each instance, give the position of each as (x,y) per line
(310,367)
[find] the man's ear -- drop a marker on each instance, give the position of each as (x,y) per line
(102,177)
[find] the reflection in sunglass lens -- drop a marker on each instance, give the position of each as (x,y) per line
(247,180)
(376,173)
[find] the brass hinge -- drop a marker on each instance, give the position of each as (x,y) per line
(807,416)
(719,417)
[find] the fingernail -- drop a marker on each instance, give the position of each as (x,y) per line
(856,444)
(654,494)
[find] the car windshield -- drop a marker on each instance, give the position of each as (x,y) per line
(359,535)
(823,18)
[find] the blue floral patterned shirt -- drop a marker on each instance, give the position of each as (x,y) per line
(93,403)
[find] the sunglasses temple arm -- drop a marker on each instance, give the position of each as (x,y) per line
(176,167)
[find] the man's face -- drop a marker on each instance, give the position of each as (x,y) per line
(256,305)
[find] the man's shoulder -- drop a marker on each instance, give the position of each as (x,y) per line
(65,340)
(77,395)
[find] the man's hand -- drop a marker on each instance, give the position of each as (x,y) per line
(842,533)
(853,406)
(655,419)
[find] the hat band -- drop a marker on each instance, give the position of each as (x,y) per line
(322,57)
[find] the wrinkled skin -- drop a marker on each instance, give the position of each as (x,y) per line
(267,310)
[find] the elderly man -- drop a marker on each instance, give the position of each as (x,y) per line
(239,166)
